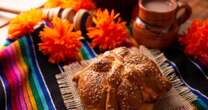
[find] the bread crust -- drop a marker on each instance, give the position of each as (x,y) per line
(121,79)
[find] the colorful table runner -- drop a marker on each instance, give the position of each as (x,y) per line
(28,79)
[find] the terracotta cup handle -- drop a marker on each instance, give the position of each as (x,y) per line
(186,14)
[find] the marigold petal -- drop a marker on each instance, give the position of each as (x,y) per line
(107,33)
(24,23)
(75,4)
(59,42)
(195,40)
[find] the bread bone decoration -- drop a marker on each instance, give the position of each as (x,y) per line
(123,79)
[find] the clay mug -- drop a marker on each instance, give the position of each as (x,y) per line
(158,22)
(163,12)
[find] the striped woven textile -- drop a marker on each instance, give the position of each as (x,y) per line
(23,81)
(28,79)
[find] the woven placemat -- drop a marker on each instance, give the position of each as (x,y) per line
(178,98)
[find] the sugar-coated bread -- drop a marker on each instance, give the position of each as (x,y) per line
(121,79)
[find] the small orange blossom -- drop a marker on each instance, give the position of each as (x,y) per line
(59,41)
(108,32)
(24,23)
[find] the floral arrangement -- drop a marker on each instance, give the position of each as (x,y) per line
(75,4)
(24,23)
(60,42)
(109,31)
(195,42)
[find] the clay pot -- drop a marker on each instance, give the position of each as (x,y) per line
(152,39)
(156,29)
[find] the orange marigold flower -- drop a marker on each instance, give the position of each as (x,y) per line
(75,4)
(68,3)
(101,17)
(24,23)
(84,4)
(195,41)
(59,41)
(52,3)
(108,32)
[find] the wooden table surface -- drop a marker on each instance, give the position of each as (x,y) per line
(199,11)
(200,8)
